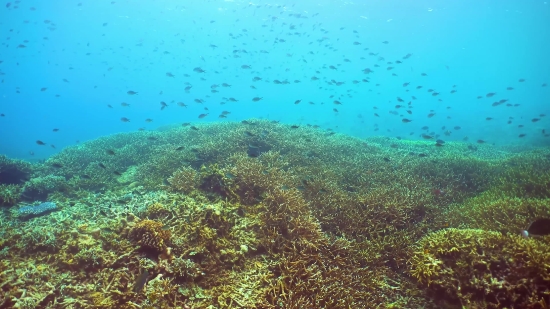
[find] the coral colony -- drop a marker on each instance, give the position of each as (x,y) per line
(257,214)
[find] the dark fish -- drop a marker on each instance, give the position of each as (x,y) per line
(179,148)
(490,94)
(256,99)
(203,115)
(194,128)
(522,135)
(102,165)
(140,281)
(430,115)
(130,92)
(297,101)
(440,141)
(152,138)
(41,143)
(117,173)
(539,227)
(426,136)
(55,130)
(480,141)
(535,119)
(84,176)
(248,133)
(110,152)
(294,127)
(124,104)
(124,119)
(405,120)
(57,165)
(170,74)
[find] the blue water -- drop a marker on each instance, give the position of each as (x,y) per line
(104,49)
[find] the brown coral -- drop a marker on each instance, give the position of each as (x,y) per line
(150,235)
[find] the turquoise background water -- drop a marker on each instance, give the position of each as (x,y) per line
(103,49)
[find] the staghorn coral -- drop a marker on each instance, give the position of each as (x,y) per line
(495,211)
(149,234)
(184,180)
(486,269)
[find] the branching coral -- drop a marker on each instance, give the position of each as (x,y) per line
(184,180)
(480,267)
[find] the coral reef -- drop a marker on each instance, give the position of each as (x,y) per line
(259,214)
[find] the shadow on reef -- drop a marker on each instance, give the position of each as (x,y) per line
(259,214)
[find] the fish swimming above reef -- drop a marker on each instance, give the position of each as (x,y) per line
(539,227)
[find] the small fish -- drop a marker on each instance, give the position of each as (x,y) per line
(202,115)
(41,143)
(405,120)
(102,165)
(535,119)
(490,94)
(55,130)
(84,176)
(297,101)
(57,165)
(117,173)
(140,281)
(539,227)
(110,152)
(170,74)
(294,127)
(256,99)
(130,92)
(152,138)
(179,148)
(148,120)
(521,135)
(124,119)
(430,115)
(124,104)
(480,141)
